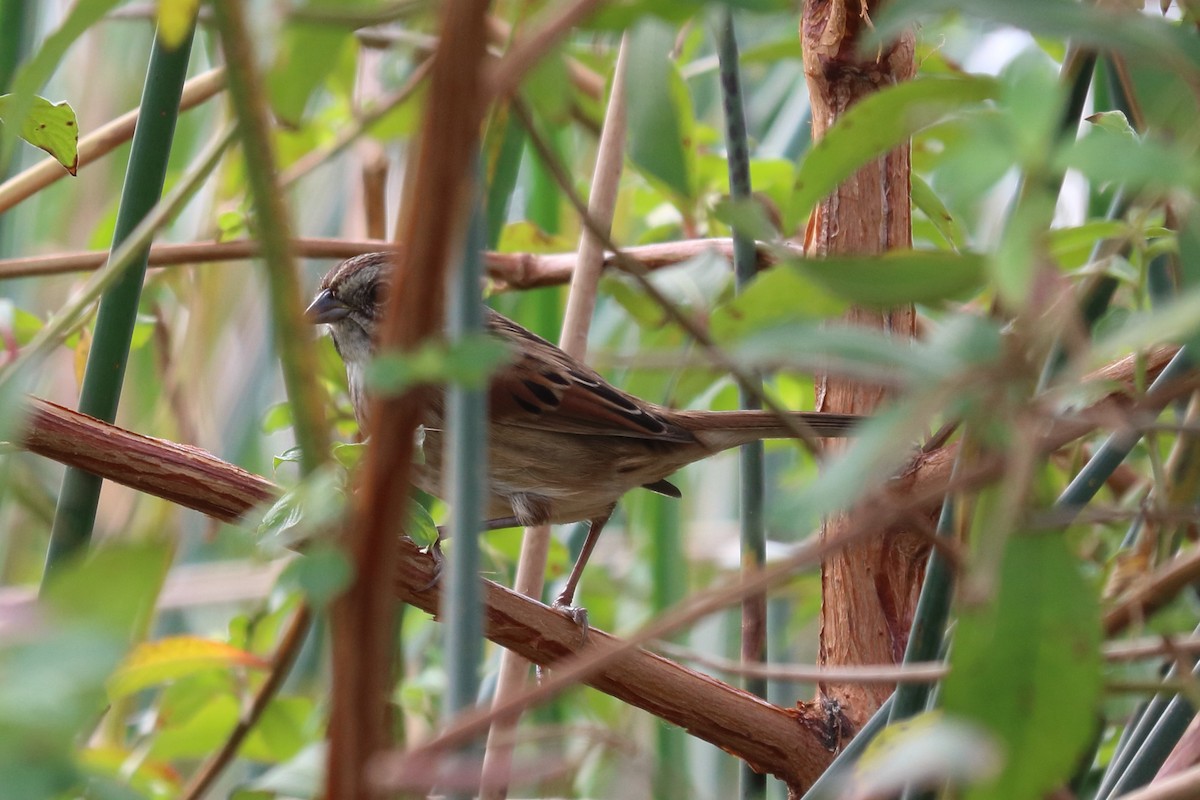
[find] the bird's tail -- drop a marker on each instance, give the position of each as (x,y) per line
(719,430)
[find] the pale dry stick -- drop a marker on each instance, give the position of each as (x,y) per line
(1146,647)
(586,80)
(581,303)
(71,314)
(796,428)
(502,78)
(371,156)
(357,128)
(102,141)
(506,271)
(922,672)
(1180,786)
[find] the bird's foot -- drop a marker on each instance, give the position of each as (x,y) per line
(439,562)
(576,614)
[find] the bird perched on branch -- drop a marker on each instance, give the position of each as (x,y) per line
(564,444)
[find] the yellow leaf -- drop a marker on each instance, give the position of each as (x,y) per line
(82,348)
(175,21)
(168,659)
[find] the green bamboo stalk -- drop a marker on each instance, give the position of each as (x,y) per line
(16,26)
(745,263)
(1157,745)
(927,635)
(292,335)
(104,374)
(830,782)
(466,427)
(672,776)
(503,180)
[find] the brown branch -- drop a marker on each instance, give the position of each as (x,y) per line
(506,270)
(180,473)
(434,213)
(868,590)
(678,695)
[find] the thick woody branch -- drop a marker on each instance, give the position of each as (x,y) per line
(788,743)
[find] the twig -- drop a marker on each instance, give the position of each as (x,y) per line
(797,428)
(281,665)
(507,271)
(581,302)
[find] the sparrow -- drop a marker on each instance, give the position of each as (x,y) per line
(564,445)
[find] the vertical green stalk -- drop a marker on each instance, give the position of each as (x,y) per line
(1133,739)
(292,335)
(76,513)
(830,784)
(16,28)
(929,621)
(753,531)
(1161,739)
(505,166)
(466,427)
(672,777)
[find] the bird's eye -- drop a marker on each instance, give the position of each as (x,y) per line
(373,294)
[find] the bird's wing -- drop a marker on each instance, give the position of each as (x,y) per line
(545,388)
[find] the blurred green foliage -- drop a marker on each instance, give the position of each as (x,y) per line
(982,118)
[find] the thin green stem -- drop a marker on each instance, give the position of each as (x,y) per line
(745,262)
(293,336)
(105,371)
(466,427)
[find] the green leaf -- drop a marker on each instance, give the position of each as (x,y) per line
(1108,156)
(925,751)
(1143,38)
(308,53)
(900,276)
(656,125)
(782,294)
(38,69)
(87,589)
(278,418)
(50,126)
(313,507)
(927,200)
(878,124)
(469,362)
(420,526)
(746,216)
(1114,122)
(283,730)
(175,18)
(1020,250)
(322,573)
(1027,666)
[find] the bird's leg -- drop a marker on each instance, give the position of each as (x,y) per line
(567,596)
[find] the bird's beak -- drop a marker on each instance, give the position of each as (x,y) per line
(326,308)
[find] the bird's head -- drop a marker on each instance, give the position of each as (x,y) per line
(350,301)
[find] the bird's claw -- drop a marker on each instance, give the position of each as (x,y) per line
(439,561)
(576,614)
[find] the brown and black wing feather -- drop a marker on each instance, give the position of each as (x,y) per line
(548,389)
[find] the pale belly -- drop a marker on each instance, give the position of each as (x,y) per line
(543,476)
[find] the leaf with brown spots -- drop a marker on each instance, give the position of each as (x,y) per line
(50,126)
